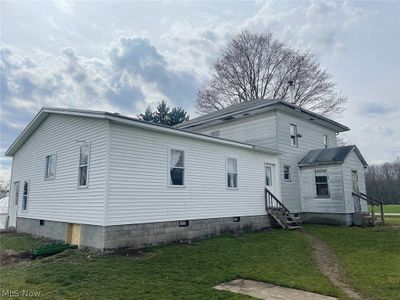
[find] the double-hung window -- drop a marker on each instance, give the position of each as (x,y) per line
(293,135)
(321,183)
(177,167)
(286,173)
(231,172)
(25,196)
(83,172)
(326,141)
(50,171)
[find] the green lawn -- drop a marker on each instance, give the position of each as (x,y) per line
(370,257)
(388,208)
(19,242)
(173,271)
(392,220)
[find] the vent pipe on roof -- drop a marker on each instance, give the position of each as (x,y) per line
(291,91)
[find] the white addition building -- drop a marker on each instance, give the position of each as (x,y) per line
(105,180)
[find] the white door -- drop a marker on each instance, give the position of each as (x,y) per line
(356,190)
(13,206)
(270,178)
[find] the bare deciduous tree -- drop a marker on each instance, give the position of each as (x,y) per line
(256,65)
(4,190)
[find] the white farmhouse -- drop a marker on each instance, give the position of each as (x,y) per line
(105,180)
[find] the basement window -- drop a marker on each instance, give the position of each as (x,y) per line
(50,171)
(176,167)
(236,219)
(184,223)
(231,173)
(41,222)
(321,183)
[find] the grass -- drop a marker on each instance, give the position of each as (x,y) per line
(19,242)
(177,271)
(370,257)
(388,208)
(392,220)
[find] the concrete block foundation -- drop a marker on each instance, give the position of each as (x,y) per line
(327,218)
(143,235)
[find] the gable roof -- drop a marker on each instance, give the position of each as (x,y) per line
(328,156)
(126,120)
(258,104)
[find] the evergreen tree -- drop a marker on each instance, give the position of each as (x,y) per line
(148,115)
(162,113)
(177,115)
(165,115)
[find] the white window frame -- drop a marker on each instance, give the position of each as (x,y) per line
(290,175)
(327,182)
(169,168)
(226,173)
(325,139)
(294,135)
(46,166)
(87,166)
(26,196)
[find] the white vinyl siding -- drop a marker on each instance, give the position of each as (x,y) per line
(139,164)
(59,199)
(310,139)
(333,203)
(258,130)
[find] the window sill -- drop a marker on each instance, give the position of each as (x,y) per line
(50,179)
(176,186)
(322,197)
(232,188)
(82,187)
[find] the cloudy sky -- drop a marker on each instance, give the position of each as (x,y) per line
(123,56)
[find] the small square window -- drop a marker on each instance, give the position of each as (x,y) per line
(183,223)
(236,219)
(41,222)
(286,173)
(321,183)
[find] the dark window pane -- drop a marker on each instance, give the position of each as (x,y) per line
(232,180)
(176,176)
(322,179)
(322,189)
(83,176)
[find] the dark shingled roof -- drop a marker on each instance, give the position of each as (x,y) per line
(328,156)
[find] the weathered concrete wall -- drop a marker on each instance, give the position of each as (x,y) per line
(143,235)
(326,218)
(91,235)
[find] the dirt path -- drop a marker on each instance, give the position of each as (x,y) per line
(328,263)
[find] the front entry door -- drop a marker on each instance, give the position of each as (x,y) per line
(13,206)
(356,190)
(269,178)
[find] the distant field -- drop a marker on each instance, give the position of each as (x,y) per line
(390,208)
